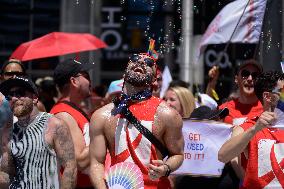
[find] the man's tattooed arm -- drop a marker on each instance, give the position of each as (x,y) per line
(65,153)
(7,169)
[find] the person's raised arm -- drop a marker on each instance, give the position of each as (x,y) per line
(64,149)
(213,75)
(238,143)
(98,149)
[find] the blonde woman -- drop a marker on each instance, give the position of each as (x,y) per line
(181,99)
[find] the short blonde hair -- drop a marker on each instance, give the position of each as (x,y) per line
(186,99)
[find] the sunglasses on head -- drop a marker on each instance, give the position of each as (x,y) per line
(14,73)
(135,58)
(16,93)
(245,74)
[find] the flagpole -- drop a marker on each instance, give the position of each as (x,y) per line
(186,66)
(235,29)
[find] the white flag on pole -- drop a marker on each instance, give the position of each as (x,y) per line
(167,78)
(222,27)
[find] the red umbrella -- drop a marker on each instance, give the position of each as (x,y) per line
(55,44)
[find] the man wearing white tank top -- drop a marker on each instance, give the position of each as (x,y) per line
(36,145)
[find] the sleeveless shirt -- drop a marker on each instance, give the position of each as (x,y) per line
(35,162)
(239,112)
(265,163)
(132,146)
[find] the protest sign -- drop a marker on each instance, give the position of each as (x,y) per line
(203,139)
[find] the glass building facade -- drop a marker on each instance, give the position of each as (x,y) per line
(125,25)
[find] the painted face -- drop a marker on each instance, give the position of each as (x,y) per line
(12,70)
(139,72)
(84,84)
(245,80)
(172,100)
(21,101)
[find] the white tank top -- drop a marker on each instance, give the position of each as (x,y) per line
(35,163)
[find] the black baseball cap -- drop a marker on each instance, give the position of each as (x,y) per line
(25,83)
(204,112)
(250,62)
(69,68)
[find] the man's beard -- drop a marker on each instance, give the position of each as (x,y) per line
(137,80)
(23,109)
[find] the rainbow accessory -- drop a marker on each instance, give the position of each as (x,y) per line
(282,94)
(124,175)
(279,110)
(280,104)
(151,50)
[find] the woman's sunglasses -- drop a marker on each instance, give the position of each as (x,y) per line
(10,74)
(135,58)
(245,74)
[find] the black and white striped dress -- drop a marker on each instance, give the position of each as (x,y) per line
(34,160)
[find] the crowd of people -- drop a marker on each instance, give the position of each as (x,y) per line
(59,132)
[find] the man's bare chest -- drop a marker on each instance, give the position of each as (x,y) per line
(117,127)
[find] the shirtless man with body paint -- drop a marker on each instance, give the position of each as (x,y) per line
(110,130)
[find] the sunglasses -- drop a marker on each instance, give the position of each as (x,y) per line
(85,75)
(245,74)
(13,74)
(16,93)
(135,59)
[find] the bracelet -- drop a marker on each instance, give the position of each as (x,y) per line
(168,172)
